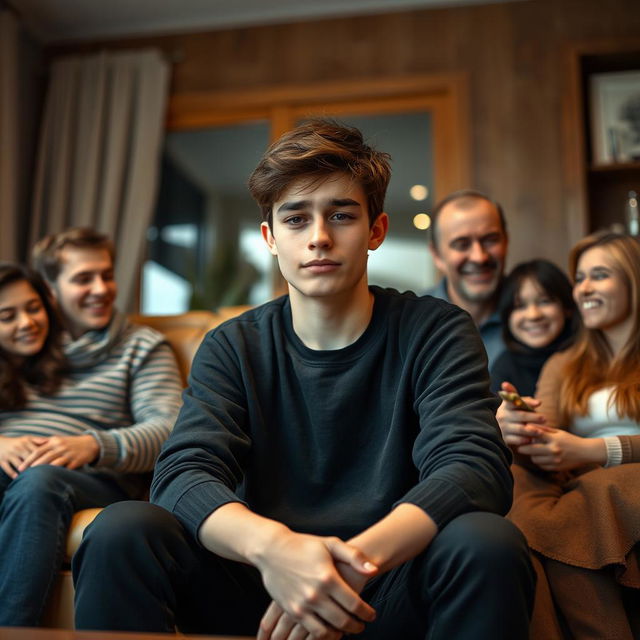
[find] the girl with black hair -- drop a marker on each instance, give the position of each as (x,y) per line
(539,317)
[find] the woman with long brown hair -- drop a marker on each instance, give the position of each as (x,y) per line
(30,334)
(577,491)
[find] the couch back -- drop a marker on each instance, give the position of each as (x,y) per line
(185,331)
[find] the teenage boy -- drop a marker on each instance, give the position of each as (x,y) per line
(93,439)
(469,245)
(336,467)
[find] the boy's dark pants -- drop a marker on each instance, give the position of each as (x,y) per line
(138,569)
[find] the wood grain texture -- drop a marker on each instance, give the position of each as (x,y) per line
(515,55)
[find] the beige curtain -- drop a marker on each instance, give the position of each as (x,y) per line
(99,152)
(9,151)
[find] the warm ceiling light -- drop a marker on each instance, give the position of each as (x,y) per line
(421,221)
(419,192)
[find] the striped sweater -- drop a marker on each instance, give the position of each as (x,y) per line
(124,389)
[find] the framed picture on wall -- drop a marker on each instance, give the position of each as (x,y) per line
(615,117)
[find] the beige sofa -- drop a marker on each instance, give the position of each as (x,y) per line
(184,333)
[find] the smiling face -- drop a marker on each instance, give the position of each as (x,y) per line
(24,324)
(85,289)
(321,236)
(536,319)
(470,250)
(602,292)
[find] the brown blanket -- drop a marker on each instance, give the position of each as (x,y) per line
(590,520)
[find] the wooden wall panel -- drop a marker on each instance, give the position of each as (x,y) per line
(515,55)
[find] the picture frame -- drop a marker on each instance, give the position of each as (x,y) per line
(615,117)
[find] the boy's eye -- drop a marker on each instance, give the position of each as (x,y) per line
(6,317)
(340,216)
(294,220)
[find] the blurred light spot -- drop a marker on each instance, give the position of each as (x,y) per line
(421,221)
(419,192)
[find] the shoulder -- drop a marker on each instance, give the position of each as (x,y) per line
(427,307)
(558,360)
(552,372)
(262,315)
(251,326)
(422,321)
(141,336)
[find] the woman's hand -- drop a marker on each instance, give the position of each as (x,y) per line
(63,451)
(14,451)
(559,450)
(520,427)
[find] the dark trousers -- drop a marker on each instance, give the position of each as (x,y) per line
(138,569)
(35,512)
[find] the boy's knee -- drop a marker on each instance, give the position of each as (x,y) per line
(485,532)
(119,524)
(487,542)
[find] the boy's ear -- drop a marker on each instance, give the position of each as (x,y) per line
(268,238)
(378,231)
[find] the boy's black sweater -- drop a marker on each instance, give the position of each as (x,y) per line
(327,442)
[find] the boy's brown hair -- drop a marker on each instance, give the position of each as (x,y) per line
(314,150)
(46,254)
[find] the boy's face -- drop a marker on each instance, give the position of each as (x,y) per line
(321,236)
(85,290)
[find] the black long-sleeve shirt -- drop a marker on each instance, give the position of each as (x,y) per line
(327,442)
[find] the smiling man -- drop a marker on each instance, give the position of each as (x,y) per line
(97,435)
(336,467)
(469,246)
(125,375)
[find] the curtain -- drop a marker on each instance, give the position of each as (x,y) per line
(9,150)
(99,152)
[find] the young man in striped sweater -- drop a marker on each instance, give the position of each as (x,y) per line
(102,430)
(336,466)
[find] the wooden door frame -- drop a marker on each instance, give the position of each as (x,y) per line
(445,96)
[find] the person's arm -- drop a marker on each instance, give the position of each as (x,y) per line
(398,537)
(298,570)
(196,477)
(619,450)
(555,448)
(461,458)
(462,462)
(560,450)
(630,449)
(154,399)
(148,391)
